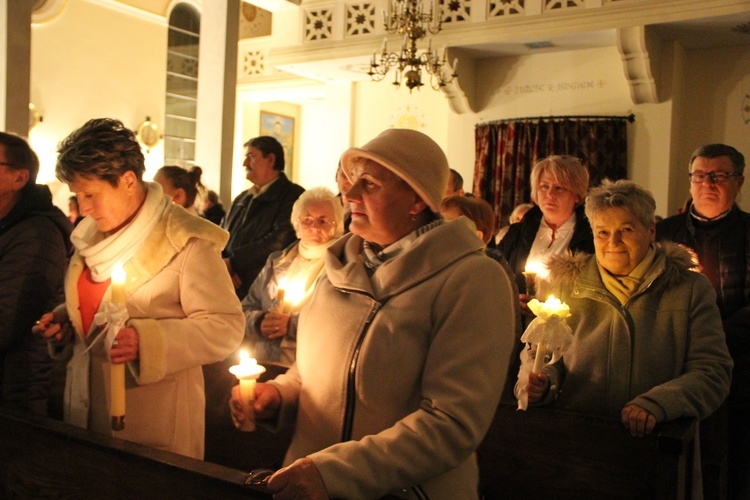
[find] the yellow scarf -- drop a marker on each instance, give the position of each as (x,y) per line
(623,287)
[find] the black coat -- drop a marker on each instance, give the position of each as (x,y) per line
(733,294)
(262,228)
(516,244)
(34,250)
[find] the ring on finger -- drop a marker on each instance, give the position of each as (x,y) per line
(115,343)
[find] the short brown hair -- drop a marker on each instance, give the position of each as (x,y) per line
(475,209)
(101,149)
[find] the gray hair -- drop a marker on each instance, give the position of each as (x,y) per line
(621,194)
(319,195)
(717,150)
(568,172)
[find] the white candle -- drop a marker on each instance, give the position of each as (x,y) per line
(295,292)
(552,307)
(539,361)
(117,371)
(278,305)
(247,372)
(119,277)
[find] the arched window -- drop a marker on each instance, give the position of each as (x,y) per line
(182,85)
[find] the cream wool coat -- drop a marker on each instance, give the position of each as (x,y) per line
(182,304)
(398,376)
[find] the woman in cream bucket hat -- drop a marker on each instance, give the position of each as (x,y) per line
(400,358)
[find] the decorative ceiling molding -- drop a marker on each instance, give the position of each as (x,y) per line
(639,52)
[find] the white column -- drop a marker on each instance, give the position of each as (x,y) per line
(15,65)
(217,88)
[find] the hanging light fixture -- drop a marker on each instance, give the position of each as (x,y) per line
(407,18)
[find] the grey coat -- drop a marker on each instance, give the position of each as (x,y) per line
(664,350)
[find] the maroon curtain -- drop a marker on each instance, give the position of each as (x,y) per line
(507,150)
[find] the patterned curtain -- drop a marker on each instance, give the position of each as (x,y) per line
(507,150)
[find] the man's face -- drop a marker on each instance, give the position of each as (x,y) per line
(259,168)
(11,181)
(710,198)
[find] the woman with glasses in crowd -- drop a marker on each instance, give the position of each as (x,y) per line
(271,326)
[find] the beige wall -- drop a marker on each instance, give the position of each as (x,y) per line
(715,85)
(89,62)
(93,60)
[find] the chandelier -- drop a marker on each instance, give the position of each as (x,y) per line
(407,18)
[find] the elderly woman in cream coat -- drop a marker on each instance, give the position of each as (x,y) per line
(183,312)
(401,352)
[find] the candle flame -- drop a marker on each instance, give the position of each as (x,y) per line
(295,293)
(118,273)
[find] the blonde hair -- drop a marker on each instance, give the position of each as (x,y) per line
(568,172)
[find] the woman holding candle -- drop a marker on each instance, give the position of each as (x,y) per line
(183,312)
(555,226)
(271,322)
(648,344)
(401,352)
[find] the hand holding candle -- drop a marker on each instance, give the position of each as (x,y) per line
(549,332)
(247,372)
(530,273)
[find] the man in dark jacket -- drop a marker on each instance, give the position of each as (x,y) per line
(719,233)
(34,248)
(259,221)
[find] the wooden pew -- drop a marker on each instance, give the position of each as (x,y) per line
(547,453)
(50,459)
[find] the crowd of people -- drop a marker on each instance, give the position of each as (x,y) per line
(396,324)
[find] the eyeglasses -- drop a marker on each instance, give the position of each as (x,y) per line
(715,177)
(319,223)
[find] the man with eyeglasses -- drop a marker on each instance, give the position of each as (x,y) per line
(719,232)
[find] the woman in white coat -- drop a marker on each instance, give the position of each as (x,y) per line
(183,312)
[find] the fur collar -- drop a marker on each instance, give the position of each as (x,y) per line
(675,260)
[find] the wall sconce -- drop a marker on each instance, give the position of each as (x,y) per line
(34,116)
(148,134)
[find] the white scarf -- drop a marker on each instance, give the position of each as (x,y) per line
(101,252)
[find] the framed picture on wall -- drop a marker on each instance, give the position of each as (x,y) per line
(281,128)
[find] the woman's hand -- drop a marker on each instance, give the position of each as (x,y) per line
(299,480)
(639,421)
(537,387)
(274,325)
(523,300)
(125,347)
(54,327)
(266,405)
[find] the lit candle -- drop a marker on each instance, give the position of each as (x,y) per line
(553,312)
(247,372)
(117,371)
(384,46)
(278,304)
(295,292)
(530,273)
(455,64)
